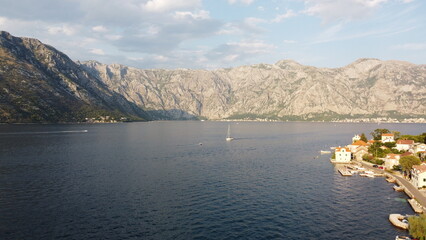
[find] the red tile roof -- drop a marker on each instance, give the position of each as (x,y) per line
(406,154)
(405,142)
(420,168)
(339,149)
(392,156)
(387,134)
(360,143)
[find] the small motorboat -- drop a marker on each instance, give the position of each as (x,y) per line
(402,238)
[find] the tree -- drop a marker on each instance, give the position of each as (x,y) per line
(377,134)
(396,134)
(407,162)
(390,145)
(363,137)
(417,226)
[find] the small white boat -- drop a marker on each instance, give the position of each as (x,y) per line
(228,136)
(402,238)
(325,152)
(398,188)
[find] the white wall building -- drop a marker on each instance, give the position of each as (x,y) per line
(405,145)
(419,147)
(391,160)
(356,138)
(342,154)
(388,137)
(418,175)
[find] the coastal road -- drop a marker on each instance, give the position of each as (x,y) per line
(417,194)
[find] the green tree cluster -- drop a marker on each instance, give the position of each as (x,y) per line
(407,162)
(376,150)
(417,226)
(416,138)
(363,137)
(377,134)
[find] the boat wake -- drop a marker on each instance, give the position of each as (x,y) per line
(49,132)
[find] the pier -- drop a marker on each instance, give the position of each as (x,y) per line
(416,205)
(344,171)
(396,220)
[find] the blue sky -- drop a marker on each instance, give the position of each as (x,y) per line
(213,34)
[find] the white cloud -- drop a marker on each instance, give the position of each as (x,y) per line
(289,41)
(67,30)
(198,15)
(240,51)
(161,58)
(2,21)
(168,5)
(100,29)
(113,37)
(411,46)
(246,2)
(290,13)
(97,51)
(330,10)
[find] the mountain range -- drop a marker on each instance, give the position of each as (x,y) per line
(39,83)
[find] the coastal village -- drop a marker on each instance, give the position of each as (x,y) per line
(401,160)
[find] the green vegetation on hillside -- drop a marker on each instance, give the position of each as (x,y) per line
(417,226)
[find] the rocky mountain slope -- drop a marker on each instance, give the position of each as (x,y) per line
(284,90)
(40,84)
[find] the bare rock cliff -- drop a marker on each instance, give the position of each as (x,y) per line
(284,90)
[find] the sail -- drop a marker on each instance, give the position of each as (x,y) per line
(228,135)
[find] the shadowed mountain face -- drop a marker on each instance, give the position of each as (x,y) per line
(40,84)
(285,90)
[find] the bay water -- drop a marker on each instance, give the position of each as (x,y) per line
(182,180)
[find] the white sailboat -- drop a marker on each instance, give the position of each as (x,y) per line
(228,136)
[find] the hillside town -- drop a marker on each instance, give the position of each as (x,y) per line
(399,158)
(386,153)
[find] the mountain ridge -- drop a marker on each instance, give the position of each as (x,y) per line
(41,84)
(284,90)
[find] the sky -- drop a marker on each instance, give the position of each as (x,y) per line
(210,34)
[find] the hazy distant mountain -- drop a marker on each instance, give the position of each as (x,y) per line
(40,84)
(285,90)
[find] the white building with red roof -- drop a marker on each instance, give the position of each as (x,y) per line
(342,155)
(419,147)
(418,175)
(391,160)
(356,145)
(405,145)
(388,137)
(356,138)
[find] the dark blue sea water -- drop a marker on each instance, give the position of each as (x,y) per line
(182,180)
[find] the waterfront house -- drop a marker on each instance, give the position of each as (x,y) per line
(360,152)
(388,137)
(391,160)
(356,145)
(422,155)
(342,155)
(419,147)
(418,175)
(356,138)
(405,145)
